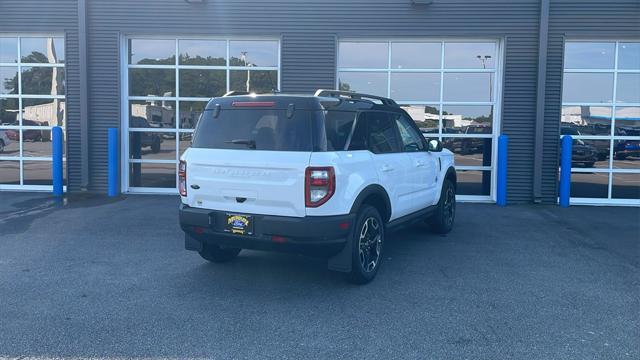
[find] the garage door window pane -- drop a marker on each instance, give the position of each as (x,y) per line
(581,156)
(152,82)
(253,53)
(8,111)
(626,186)
(8,80)
(472,182)
(152,175)
(415,86)
(203,83)
(419,55)
(467,119)
(627,121)
(42,50)
(368,82)
(36,143)
(258,81)
(364,55)
(152,145)
(152,114)
(203,52)
(469,151)
(10,142)
(629,56)
(43,80)
(37,172)
(586,120)
(190,112)
(43,112)
(425,116)
(9,172)
(469,55)
(588,88)
(628,88)
(589,55)
(8,50)
(152,52)
(463,87)
(590,185)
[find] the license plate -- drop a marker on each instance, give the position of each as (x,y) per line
(239,224)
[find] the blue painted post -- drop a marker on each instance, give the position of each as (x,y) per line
(56,153)
(113,162)
(503,142)
(565,170)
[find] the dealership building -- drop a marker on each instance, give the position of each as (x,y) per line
(466,71)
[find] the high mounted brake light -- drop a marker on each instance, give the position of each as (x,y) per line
(319,185)
(253,104)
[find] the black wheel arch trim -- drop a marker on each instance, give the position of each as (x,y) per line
(375,190)
(451,173)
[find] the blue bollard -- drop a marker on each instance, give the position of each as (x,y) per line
(503,142)
(113,162)
(565,171)
(56,153)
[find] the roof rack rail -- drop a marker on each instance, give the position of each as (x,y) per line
(235,92)
(354,95)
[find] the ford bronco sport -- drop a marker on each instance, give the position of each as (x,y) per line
(323,175)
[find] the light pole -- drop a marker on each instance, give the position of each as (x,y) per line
(483,59)
(246,63)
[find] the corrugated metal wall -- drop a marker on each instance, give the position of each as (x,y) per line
(45,17)
(577,19)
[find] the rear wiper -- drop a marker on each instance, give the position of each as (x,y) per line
(251,144)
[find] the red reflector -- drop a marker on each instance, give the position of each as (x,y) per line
(278,239)
(319,182)
(198,230)
(253,104)
(345,225)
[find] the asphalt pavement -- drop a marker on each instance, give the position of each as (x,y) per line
(92,277)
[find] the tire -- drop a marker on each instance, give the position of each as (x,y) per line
(441,222)
(367,245)
(155,146)
(216,254)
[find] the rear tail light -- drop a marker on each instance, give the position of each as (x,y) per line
(182,178)
(320,184)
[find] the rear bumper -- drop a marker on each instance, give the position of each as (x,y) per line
(309,235)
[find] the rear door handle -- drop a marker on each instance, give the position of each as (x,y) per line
(387,168)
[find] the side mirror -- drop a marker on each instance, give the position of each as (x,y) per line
(435,145)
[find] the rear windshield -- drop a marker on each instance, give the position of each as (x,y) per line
(255,129)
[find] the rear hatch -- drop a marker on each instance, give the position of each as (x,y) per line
(250,160)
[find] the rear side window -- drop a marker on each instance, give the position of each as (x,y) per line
(338,126)
(377,132)
(255,129)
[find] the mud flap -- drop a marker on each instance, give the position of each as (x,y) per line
(191,243)
(342,260)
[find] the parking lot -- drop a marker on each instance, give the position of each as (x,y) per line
(103,278)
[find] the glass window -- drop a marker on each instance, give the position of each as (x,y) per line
(9,111)
(255,129)
(10,174)
(152,175)
(152,114)
(42,50)
(590,185)
(426,117)
(8,50)
(474,55)
(601,148)
(43,80)
(382,133)
(415,86)
(411,140)
(152,145)
(36,143)
(468,87)
(467,119)
(626,186)
(258,81)
(589,55)
(253,53)
(43,112)
(629,56)
(152,52)
(185,142)
(338,126)
(469,151)
(416,55)
(190,112)
(628,88)
(203,52)
(152,82)
(37,172)
(364,55)
(587,87)
(203,83)
(374,83)
(473,182)
(587,120)
(626,153)
(627,121)
(8,79)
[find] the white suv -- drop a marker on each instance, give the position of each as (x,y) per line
(325,175)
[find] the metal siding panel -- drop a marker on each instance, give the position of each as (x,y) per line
(53,16)
(618,19)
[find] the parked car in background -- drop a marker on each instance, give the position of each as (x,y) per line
(581,153)
(139,140)
(625,148)
(30,134)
